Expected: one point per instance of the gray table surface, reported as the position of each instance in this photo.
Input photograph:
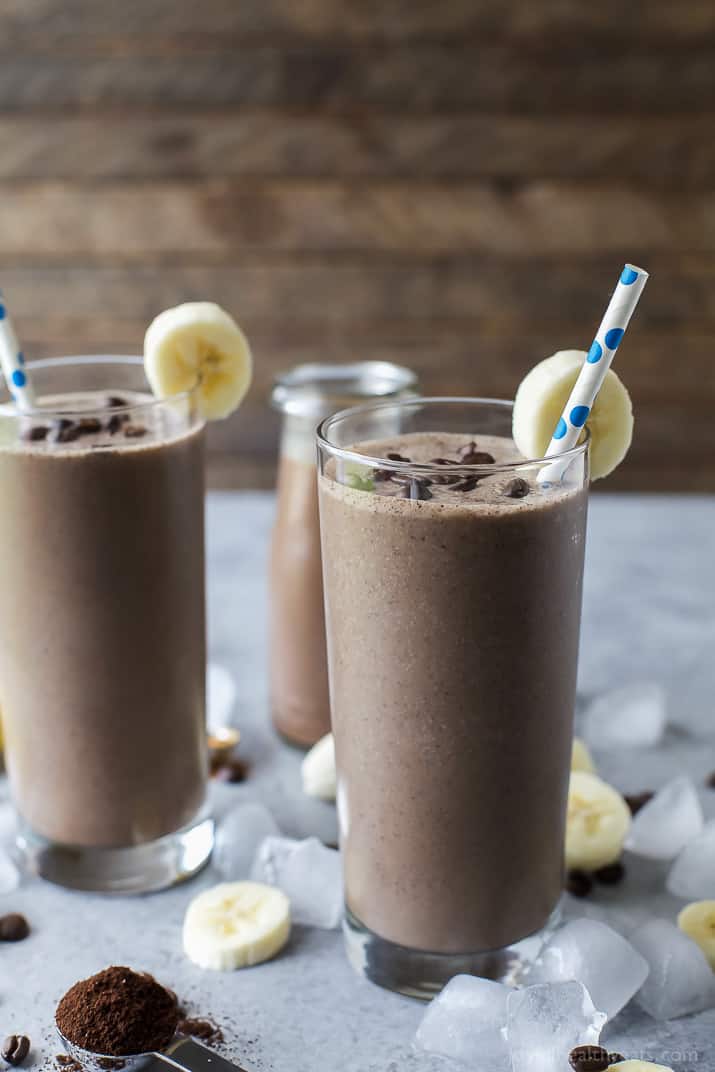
(649, 613)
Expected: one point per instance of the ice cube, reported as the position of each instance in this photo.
(546, 1021)
(220, 697)
(664, 825)
(629, 717)
(595, 955)
(680, 980)
(693, 874)
(467, 1022)
(238, 835)
(310, 875)
(9, 874)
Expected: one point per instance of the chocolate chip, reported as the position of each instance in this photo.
(134, 431)
(477, 457)
(517, 488)
(466, 448)
(610, 875)
(578, 884)
(89, 426)
(13, 927)
(636, 801)
(415, 489)
(116, 402)
(397, 458)
(64, 431)
(36, 434)
(114, 424)
(468, 484)
(589, 1059)
(710, 780)
(15, 1049)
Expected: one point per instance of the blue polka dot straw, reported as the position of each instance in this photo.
(12, 361)
(593, 371)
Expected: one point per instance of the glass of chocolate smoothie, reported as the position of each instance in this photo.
(102, 627)
(298, 665)
(453, 599)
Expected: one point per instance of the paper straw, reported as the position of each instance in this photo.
(12, 361)
(598, 361)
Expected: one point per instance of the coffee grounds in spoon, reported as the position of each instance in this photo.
(118, 1012)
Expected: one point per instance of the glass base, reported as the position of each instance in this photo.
(422, 975)
(137, 869)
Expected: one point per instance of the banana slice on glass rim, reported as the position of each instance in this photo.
(199, 347)
(540, 400)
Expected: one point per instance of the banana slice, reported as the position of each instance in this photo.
(597, 822)
(318, 770)
(198, 346)
(639, 1066)
(581, 757)
(697, 920)
(540, 400)
(235, 925)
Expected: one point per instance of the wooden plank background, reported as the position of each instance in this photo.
(451, 185)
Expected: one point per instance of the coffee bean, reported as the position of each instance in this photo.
(13, 927)
(134, 431)
(637, 800)
(589, 1059)
(610, 875)
(114, 424)
(89, 426)
(36, 434)
(578, 883)
(64, 431)
(15, 1049)
(517, 489)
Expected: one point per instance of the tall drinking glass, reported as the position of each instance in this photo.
(453, 598)
(102, 627)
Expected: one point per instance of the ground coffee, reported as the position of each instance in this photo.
(118, 1012)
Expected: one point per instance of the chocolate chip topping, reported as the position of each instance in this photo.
(114, 424)
(589, 1059)
(116, 402)
(517, 488)
(15, 1049)
(36, 434)
(610, 875)
(134, 431)
(13, 927)
(636, 801)
(578, 883)
(89, 426)
(393, 457)
(64, 431)
(477, 457)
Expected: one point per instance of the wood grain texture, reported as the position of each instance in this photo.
(453, 186)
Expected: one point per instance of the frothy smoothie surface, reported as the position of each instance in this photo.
(453, 612)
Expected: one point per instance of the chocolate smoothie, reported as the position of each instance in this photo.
(453, 619)
(102, 649)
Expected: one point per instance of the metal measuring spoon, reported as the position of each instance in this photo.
(183, 1053)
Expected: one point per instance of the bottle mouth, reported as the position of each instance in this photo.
(312, 389)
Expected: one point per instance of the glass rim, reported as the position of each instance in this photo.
(345, 454)
(299, 392)
(67, 360)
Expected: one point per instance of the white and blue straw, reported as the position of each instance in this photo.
(12, 362)
(598, 361)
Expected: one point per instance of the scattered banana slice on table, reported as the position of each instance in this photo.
(236, 925)
(318, 770)
(540, 400)
(597, 822)
(581, 758)
(697, 920)
(198, 346)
